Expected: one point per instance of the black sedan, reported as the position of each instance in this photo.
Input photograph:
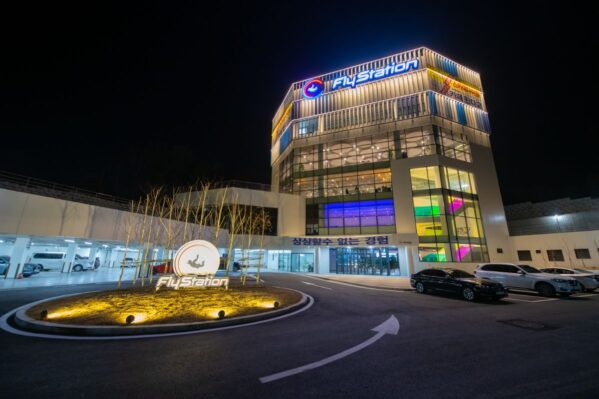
(458, 282)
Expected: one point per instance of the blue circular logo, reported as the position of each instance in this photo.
(313, 88)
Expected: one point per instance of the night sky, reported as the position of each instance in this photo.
(118, 98)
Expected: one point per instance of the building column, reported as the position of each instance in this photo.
(93, 252)
(17, 257)
(322, 260)
(69, 257)
(410, 254)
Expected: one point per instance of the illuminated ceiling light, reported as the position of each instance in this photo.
(68, 240)
(88, 243)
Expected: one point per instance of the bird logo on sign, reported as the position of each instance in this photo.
(313, 88)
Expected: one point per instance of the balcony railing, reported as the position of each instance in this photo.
(31, 185)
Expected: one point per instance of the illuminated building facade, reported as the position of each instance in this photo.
(397, 146)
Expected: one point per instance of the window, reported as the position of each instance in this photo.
(524, 255)
(499, 250)
(509, 269)
(48, 256)
(433, 273)
(492, 268)
(564, 271)
(555, 255)
(582, 253)
(307, 126)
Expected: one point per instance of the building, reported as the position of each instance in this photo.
(393, 157)
(562, 232)
(382, 168)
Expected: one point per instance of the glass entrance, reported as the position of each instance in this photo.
(296, 262)
(381, 261)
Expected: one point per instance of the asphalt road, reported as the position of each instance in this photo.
(446, 348)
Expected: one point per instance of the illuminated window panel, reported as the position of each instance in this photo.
(359, 214)
(432, 253)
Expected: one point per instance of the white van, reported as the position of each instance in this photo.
(48, 260)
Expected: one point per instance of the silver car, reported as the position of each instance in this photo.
(524, 277)
(588, 282)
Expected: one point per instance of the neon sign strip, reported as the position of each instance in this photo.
(374, 74)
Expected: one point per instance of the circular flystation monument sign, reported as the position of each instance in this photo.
(196, 257)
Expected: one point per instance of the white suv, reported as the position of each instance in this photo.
(48, 260)
(527, 278)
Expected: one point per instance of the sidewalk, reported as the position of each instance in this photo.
(388, 282)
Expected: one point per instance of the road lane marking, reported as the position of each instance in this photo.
(531, 301)
(584, 296)
(8, 328)
(358, 286)
(316, 285)
(390, 326)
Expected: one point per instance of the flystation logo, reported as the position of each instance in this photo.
(374, 74)
(313, 88)
(195, 265)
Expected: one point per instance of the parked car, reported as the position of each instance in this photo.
(48, 260)
(458, 282)
(525, 277)
(595, 273)
(588, 282)
(82, 264)
(4, 264)
(29, 269)
(165, 267)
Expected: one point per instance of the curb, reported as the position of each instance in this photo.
(27, 323)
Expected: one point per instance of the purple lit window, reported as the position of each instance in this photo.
(359, 213)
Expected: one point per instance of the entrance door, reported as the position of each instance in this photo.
(382, 261)
(303, 263)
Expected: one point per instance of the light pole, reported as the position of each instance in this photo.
(559, 230)
(556, 217)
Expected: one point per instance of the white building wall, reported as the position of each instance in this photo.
(567, 242)
(34, 215)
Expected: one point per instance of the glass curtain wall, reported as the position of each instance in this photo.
(448, 219)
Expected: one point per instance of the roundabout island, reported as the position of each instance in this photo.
(139, 311)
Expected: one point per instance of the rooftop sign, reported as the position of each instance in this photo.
(374, 74)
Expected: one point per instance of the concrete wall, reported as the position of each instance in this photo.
(491, 204)
(567, 242)
(34, 215)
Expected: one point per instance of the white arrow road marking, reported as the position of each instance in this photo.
(316, 285)
(390, 326)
